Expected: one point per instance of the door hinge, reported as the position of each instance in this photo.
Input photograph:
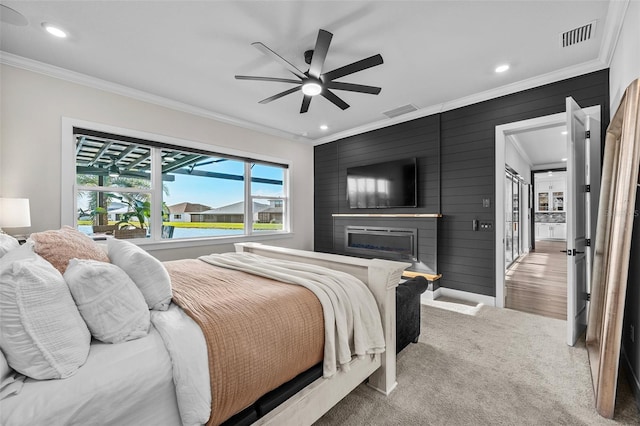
(587, 134)
(587, 188)
(587, 297)
(587, 242)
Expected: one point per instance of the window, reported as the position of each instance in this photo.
(138, 188)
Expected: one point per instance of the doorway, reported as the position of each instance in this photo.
(537, 282)
(553, 122)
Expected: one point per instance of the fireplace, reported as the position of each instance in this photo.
(386, 243)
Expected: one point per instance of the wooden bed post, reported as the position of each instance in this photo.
(383, 281)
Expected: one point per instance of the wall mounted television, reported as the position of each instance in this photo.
(383, 185)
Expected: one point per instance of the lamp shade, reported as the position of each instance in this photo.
(14, 213)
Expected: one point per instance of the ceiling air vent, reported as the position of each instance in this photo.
(400, 110)
(578, 35)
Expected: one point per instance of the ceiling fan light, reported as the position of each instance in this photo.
(311, 88)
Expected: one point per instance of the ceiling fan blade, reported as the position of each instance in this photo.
(363, 64)
(273, 55)
(320, 53)
(279, 95)
(335, 99)
(353, 87)
(280, 80)
(305, 104)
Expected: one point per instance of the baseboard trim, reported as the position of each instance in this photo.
(634, 383)
(458, 294)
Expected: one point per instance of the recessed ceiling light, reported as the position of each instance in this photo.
(323, 127)
(564, 132)
(563, 159)
(502, 68)
(53, 30)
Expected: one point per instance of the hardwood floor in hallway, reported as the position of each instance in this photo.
(537, 283)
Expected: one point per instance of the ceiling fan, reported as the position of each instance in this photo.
(314, 81)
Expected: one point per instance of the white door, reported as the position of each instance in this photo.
(576, 217)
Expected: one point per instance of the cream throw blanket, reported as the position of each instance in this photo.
(351, 317)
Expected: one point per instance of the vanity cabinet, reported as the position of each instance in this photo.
(551, 231)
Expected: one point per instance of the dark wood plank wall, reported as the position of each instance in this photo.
(325, 195)
(464, 140)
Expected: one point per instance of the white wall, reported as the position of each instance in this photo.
(513, 159)
(625, 63)
(31, 108)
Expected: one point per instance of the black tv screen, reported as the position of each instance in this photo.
(383, 185)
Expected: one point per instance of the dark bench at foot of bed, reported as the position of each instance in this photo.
(408, 311)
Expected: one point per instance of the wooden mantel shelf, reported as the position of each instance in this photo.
(386, 215)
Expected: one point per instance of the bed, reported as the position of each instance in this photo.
(166, 376)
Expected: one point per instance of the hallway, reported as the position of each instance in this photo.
(537, 283)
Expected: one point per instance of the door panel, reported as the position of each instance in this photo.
(577, 206)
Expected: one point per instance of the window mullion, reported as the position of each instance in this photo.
(248, 200)
(156, 194)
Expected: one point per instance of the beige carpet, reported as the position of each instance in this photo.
(479, 365)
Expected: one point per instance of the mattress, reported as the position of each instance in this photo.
(125, 383)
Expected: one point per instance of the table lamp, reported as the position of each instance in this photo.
(14, 213)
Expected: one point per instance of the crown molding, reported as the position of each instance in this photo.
(612, 28)
(541, 80)
(611, 32)
(517, 144)
(16, 61)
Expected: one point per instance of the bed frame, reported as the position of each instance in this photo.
(382, 278)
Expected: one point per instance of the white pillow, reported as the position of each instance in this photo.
(145, 270)
(41, 331)
(7, 243)
(110, 303)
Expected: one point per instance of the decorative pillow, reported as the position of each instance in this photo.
(7, 243)
(58, 247)
(145, 270)
(109, 302)
(41, 331)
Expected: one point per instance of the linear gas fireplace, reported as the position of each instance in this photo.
(387, 243)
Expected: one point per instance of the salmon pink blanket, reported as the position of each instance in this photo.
(260, 333)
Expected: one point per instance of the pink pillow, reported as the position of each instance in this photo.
(58, 247)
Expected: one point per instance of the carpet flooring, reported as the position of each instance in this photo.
(479, 365)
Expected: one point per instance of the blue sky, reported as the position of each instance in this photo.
(220, 192)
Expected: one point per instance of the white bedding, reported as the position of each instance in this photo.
(127, 383)
(188, 351)
(163, 378)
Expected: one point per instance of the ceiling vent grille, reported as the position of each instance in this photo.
(400, 110)
(578, 35)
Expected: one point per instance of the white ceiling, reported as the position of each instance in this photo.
(438, 55)
(544, 147)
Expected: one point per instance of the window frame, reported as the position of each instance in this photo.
(70, 188)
